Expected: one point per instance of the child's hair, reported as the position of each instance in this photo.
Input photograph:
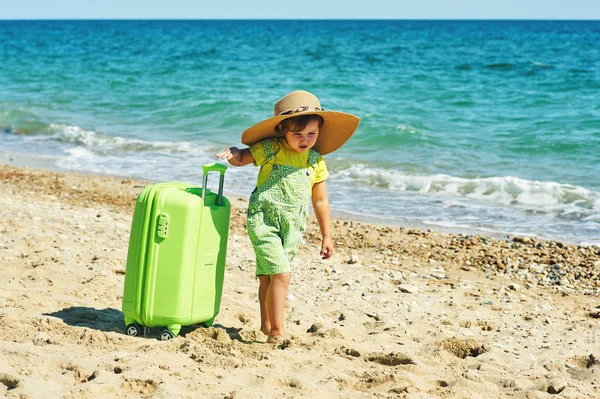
(297, 123)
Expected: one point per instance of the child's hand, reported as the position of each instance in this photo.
(232, 154)
(326, 248)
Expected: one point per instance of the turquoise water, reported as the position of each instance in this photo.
(466, 126)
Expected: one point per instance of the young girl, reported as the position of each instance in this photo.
(288, 149)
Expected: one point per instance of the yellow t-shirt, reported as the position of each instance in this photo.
(284, 155)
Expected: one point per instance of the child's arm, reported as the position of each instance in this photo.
(320, 202)
(235, 156)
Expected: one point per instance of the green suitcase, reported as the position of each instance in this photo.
(176, 256)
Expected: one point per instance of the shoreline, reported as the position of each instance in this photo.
(37, 161)
(510, 246)
(396, 312)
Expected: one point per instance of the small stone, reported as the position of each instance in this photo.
(514, 287)
(536, 268)
(353, 259)
(41, 339)
(524, 240)
(594, 314)
(352, 352)
(552, 366)
(557, 385)
(473, 375)
(408, 289)
(314, 328)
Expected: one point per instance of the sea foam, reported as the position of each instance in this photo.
(503, 190)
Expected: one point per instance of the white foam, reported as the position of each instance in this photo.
(98, 141)
(80, 152)
(506, 190)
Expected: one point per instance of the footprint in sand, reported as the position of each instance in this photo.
(483, 324)
(9, 381)
(463, 348)
(292, 383)
(584, 368)
(390, 359)
(347, 353)
(139, 386)
(80, 375)
(371, 380)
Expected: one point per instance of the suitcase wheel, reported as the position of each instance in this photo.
(166, 335)
(207, 323)
(134, 330)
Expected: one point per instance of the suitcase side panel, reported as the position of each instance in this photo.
(140, 253)
(136, 252)
(212, 250)
(168, 282)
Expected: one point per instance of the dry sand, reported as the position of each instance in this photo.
(395, 312)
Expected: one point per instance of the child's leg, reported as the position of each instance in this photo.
(263, 288)
(276, 302)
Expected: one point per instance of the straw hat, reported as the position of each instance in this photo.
(336, 130)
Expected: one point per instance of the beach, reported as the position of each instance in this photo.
(396, 312)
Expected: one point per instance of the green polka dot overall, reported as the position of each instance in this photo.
(277, 213)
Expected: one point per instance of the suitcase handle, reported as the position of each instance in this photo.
(213, 167)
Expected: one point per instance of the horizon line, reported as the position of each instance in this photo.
(305, 19)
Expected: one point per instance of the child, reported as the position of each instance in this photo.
(288, 149)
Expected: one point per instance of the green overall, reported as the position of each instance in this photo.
(277, 213)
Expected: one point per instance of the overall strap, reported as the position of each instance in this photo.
(313, 157)
(268, 148)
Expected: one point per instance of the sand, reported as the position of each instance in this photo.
(395, 313)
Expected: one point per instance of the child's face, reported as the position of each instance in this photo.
(305, 139)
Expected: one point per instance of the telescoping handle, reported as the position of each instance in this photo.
(213, 167)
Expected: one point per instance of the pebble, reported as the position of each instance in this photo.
(514, 287)
(557, 385)
(552, 366)
(314, 328)
(353, 259)
(42, 338)
(408, 289)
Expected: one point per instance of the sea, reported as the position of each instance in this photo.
(470, 127)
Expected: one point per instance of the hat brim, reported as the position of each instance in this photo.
(336, 130)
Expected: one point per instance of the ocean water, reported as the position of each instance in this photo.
(467, 126)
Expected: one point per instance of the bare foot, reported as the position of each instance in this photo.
(275, 339)
(265, 330)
